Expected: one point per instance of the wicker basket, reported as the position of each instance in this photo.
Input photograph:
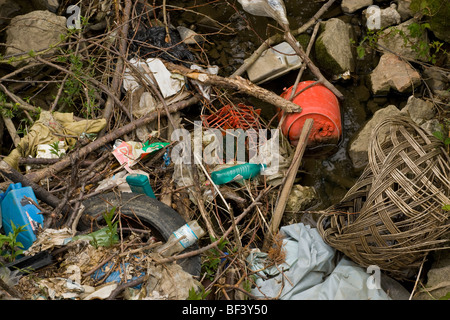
(393, 215)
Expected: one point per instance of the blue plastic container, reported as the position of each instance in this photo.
(15, 208)
(139, 184)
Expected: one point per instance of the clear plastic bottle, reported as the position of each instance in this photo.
(241, 171)
(191, 232)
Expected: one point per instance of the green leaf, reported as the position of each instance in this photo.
(361, 52)
(447, 141)
(446, 297)
(446, 207)
(439, 135)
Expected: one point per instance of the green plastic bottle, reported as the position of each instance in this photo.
(139, 184)
(241, 171)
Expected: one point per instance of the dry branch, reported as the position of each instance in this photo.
(64, 163)
(293, 43)
(40, 192)
(288, 183)
(107, 112)
(238, 84)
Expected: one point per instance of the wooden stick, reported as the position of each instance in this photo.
(12, 130)
(117, 78)
(237, 83)
(39, 191)
(64, 163)
(288, 183)
(10, 290)
(303, 67)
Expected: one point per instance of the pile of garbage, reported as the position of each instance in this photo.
(152, 174)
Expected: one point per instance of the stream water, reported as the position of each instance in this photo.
(331, 174)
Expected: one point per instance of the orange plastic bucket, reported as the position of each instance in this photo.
(320, 104)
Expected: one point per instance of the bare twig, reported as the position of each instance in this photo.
(279, 38)
(64, 163)
(236, 83)
(303, 67)
(107, 112)
(229, 230)
(293, 43)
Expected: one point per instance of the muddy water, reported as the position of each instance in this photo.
(331, 174)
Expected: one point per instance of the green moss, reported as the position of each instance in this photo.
(437, 13)
(325, 60)
(303, 39)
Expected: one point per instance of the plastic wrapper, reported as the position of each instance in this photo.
(168, 83)
(130, 152)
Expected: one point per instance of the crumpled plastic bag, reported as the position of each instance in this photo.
(118, 180)
(43, 132)
(168, 83)
(168, 280)
(61, 288)
(11, 278)
(49, 239)
(310, 271)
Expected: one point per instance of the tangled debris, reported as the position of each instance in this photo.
(137, 89)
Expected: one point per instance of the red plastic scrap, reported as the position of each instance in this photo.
(230, 117)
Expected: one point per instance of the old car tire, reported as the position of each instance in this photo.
(140, 209)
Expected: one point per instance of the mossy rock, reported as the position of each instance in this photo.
(303, 39)
(332, 48)
(437, 13)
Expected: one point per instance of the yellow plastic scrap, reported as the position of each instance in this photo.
(50, 128)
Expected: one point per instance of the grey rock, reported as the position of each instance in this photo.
(398, 39)
(419, 110)
(300, 198)
(404, 10)
(438, 277)
(393, 288)
(333, 49)
(350, 6)
(37, 30)
(8, 9)
(379, 19)
(431, 126)
(189, 36)
(359, 146)
(436, 78)
(50, 5)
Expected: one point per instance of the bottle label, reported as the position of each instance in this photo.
(190, 236)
